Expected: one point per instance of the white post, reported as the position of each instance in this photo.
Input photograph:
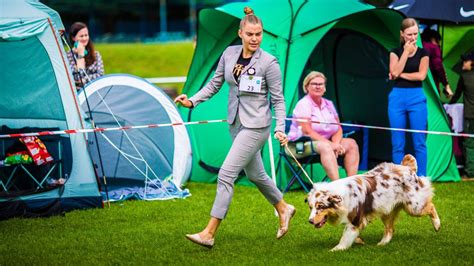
(272, 163)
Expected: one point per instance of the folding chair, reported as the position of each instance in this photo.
(309, 159)
(38, 176)
(307, 156)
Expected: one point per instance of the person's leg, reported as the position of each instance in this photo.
(351, 157)
(244, 147)
(256, 173)
(418, 114)
(468, 145)
(328, 159)
(397, 118)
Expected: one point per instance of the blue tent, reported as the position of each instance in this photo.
(37, 94)
(143, 163)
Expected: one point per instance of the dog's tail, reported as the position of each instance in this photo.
(410, 161)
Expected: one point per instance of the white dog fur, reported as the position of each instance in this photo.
(381, 192)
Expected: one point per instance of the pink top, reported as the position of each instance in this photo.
(306, 108)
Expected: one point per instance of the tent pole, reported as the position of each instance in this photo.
(289, 39)
(93, 125)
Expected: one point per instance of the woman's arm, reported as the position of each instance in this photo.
(307, 130)
(273, 78)
(213, 86)
(398, 64)
(422, 70)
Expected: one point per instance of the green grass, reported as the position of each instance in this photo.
(142, 232)
(148, 60)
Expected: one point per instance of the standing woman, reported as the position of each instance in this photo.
(252, 74)
(83, 59)
(408, 67)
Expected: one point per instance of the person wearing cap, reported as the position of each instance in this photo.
(466, 87)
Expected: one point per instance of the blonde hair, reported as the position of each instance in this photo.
(250, 18)
(311, 75)
(406, 23)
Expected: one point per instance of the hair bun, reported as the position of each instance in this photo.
(248, 11)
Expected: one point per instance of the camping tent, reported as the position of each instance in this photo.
(347, 40)
(145, 163)
(37, 93)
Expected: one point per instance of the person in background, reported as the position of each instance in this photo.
(466, 86)
(408, 67)
(328, 141)
(254, 79)
(85, 62)
(430, 39)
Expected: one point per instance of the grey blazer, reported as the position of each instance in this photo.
(253, 108)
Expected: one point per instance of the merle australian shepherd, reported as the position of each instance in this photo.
(382, 192)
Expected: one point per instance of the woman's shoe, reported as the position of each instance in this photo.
(198, 240)
(290, 212)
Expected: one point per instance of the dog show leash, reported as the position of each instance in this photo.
(298, 163)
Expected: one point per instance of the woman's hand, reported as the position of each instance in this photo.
(281, 137)
(410, 47)
(183, 100)
(338, 149)
(80, 50)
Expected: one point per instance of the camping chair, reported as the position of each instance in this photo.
(38, 174)
(304, 146)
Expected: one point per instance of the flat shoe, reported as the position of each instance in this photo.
(290, 212)
(198, 240)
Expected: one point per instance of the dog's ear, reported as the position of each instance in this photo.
(410, 161)
(335, 199)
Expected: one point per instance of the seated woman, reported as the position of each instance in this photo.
(327, 138)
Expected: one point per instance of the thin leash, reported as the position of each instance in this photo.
(298, 163)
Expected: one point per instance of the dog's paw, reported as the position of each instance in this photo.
(339, 248)
(359, 241)
(383, 242)
(436, 224)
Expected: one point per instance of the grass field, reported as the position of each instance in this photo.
(142, 232)
(148, 60)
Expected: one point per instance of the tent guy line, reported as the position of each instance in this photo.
(102, 129)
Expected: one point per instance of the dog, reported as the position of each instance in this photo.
(382, 192)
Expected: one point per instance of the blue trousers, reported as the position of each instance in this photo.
(408, 103)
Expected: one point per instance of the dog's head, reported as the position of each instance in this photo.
(322, 204)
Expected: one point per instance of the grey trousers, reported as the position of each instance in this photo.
(244, 154)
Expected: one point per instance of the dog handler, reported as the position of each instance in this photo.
(251, 74)
(408, 67)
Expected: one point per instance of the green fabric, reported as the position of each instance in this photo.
(457, 40)
(347, 40)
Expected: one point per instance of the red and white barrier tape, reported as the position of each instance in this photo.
(75, 131)
(386, 128)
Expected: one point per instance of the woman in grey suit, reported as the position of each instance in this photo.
(251, 74)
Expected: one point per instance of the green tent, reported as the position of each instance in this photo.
(347, 40)
(457, 40)
(37, 94)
